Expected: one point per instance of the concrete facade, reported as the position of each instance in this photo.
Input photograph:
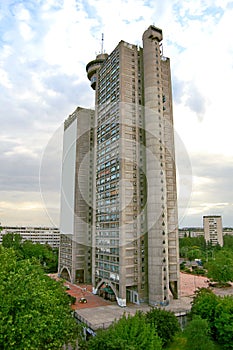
(134, 236)
(75, 256)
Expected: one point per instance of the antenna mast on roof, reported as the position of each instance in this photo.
(102, 43)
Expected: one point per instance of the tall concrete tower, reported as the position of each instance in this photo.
(134, 224)
(161, 172)
(135, 231)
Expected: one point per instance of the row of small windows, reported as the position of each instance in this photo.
(108, 138)
(105, 98)
(107, 234)
(107, 164)
(111, 79)
(106, 201)
(107, 225)
(106, 128)
(102, 188)
(109, 64)
(107, 113)
(109, 152)
(113, 251)
(108, 242)
(107, 92)
(111, 140)
(107, 210)
(107, 266)
(108, 171)
(103, 274)
(114, 186)
(107, 258)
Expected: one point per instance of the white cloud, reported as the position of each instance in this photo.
(4, 79)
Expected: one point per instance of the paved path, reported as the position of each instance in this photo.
(85, 291)
(188, 285)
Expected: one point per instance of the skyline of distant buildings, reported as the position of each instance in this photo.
(35, 234)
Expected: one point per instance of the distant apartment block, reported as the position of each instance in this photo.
(119, 222)
(191, 232)
(213, 231)
(42, 235)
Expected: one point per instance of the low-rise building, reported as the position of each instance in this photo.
(42, 235)
(191, 232)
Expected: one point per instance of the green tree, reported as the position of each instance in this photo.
(46, 256)
(228, 242)
(12, 240)
(218, 312)
(164, 322)
(224, 322)
(192, 242)
(184, 251)
(220, 269)
(197, 333)
(129, 333)
(193, 254)
(35, 311)
(204, 305)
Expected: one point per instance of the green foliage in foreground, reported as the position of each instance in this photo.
(152, 330)
(218, 312)
(129, 333)
(165, 323)
(198, 335)
(223, 322)
(204, 305)
(180, 342)
(35, 310)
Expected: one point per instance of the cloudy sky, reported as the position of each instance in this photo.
(44, 48)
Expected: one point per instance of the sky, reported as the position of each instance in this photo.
(44, 48)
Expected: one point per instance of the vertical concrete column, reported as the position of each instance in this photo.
(158, 282)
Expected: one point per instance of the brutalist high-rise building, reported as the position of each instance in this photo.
(132, 221)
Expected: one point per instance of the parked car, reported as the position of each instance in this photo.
(83, 300)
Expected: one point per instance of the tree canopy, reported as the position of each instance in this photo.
(129, 333)
(165, 323)
(204, 304)
(35, 311)
(45, 255)
(220, 269)
(197, 333)
(218, 312)
(223, 322)
(12, 240)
